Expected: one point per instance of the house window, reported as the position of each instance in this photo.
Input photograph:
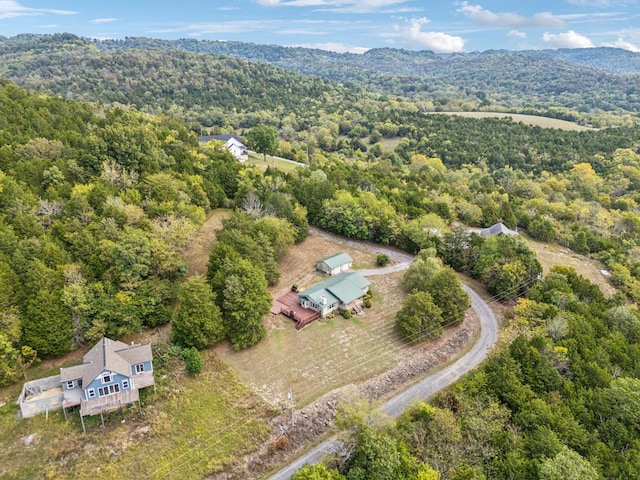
(108, 390)
(91, 393)
(106, 377)
(139, 367)
(125, 384)
(70, 385)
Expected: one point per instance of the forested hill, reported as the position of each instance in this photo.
(590, 85)
(587, 80)
(204, 88)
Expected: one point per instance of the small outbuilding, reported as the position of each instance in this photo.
(335, 264)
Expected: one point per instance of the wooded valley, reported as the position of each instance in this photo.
(104, 184)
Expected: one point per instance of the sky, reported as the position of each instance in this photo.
(342, 25)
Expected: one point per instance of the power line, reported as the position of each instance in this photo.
(204, 446)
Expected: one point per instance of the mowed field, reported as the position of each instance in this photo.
(544, 122)
(328, 353)
(551, 254)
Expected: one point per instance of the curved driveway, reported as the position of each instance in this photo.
(424, 388)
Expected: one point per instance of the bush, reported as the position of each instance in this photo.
(367, 303)
(193, 360)
(382, 259)
(346, 314)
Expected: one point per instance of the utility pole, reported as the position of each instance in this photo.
(293, 408)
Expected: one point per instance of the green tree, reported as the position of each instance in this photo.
(197, 322)
(567, 465)
(419, 318)
(319, 471)
(243, 297)
(47, 324)
(263, 139)
(423, 268)
(449, 296)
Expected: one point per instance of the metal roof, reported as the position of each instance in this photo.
(337, 260)
(345, 287)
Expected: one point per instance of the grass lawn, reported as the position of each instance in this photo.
(189, 428)
(257, 160)
(551, 254)
(328, 353)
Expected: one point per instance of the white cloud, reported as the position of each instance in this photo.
(488, 18)
(333, 47)
(601, 3)
(12, 9)
(622, 43)
(98, 21)
(568, 39)
(516, 33)
(436, 41)
(341, 6)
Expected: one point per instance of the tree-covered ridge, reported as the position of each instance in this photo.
(207, 89)
(198, 84)
(96, 209)
(580, 80)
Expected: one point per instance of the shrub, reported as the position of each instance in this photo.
(382, 259)
(193, 360)
(367, 303)
(346, 314)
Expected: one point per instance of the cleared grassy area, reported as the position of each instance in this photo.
(544, 122)
(328, 353)
(257, 160)
(551, 254)
(189, 428)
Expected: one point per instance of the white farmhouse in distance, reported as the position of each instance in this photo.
(232, 143)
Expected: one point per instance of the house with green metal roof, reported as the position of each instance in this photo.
(335, 264)
(341, 292)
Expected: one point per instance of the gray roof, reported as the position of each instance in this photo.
(497, 229)
(107, 355)
(222, 138)
(337, 260)
(345, 287)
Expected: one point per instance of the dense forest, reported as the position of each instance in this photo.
(153, 73)
(103, 186)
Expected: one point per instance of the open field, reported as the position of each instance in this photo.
(189, 428)
(257, 160)
(328, 353)
(550, 254)
(544, 122)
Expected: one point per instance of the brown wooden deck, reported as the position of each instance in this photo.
(289, 306)
(108, 403)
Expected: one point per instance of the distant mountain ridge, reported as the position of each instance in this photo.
(568, 83)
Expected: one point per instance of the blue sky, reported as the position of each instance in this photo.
(342, 25)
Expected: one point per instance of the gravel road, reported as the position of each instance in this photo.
(424, 388)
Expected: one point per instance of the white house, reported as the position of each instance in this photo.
(232, 143)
